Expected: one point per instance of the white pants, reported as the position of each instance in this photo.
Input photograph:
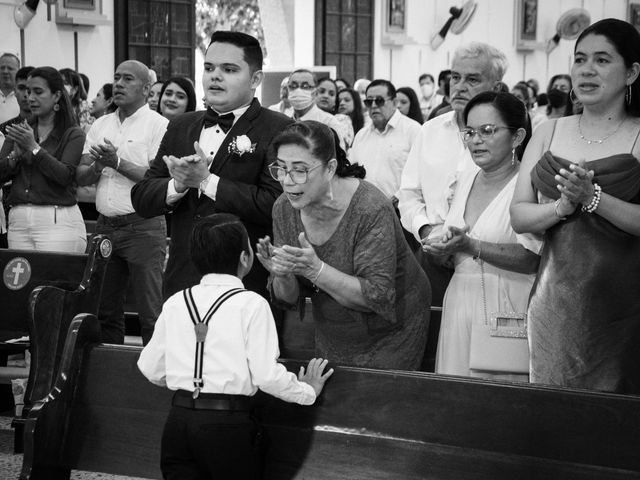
(47, 227)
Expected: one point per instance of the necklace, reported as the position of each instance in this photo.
(598, 140)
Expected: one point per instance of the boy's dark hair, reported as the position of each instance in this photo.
(216, 244)
(249, 45)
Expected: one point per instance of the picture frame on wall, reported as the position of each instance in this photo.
(526, 25)
(396, 16)
(394, 28)
(633, 14)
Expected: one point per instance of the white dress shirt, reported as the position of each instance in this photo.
(428, 178)
(240, 349)
(319, 115)
(210, 140)
(384, 154)
(9, 107)
(137, 140)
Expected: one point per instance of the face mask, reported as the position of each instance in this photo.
(557, 98)
(427, 90)
(300, 99)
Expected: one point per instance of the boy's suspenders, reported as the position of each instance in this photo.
(201, 326)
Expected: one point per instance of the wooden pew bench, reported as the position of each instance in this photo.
(102, 415)
(23, 271)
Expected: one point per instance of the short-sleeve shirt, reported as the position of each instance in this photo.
(137, 140)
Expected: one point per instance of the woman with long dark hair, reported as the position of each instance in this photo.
(177, 97)
(408, 104)
(580, 185)
(41, 159)
(350, 105)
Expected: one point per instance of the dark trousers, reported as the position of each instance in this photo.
(137, 261)
(211, 445)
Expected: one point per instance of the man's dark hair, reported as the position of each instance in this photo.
(216, 244)
(23, 73)
(424, 76)
(391, 90)
(249, 45)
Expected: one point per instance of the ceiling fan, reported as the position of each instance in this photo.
(570, 25)
(457, 22)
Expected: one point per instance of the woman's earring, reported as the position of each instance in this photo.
(330, 190)
(513, 156)
(627, 96)
(56, 107)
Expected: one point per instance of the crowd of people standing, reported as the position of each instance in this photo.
(374, 201)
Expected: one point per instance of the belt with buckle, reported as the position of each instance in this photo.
(212, 401)
(119, 220)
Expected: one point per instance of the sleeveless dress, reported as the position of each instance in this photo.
(506, 291)
(584, 313)
(369, 244)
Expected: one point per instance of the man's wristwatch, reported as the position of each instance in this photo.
(35, 151)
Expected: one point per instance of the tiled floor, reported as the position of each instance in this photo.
(11, 463)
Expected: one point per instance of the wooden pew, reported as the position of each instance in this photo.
(44, 307)
(102, 415)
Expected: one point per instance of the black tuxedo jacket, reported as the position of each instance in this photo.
(245, 189)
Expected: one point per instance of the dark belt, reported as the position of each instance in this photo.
(120, 220)
(212, 401)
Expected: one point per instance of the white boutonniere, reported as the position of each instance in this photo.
(241, 145)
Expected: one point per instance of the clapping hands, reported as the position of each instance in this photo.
(188, 171)
(452, 241)
(288, 260)
(575, 186)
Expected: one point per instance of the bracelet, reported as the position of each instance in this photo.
(555, 209)
(477, 256)
(595, 201)
(318, 274)
(118, 164)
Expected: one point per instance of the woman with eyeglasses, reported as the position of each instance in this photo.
(494, 267)
(580, 186)
(40, 157)
(337, 240)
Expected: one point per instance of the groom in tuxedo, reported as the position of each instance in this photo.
(216, 161)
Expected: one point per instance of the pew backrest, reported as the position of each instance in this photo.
(102, 415)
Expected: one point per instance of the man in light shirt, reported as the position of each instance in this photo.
(429, 97)
(382, 146)
(302, 97)
(439, 152)
(117, 153)
(9, 107)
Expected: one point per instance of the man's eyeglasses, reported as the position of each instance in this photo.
(485, 131)
(303, 86)
(297, 175)
(379, 101)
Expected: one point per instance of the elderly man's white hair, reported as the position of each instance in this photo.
(496, 59)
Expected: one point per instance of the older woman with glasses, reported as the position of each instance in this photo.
(337, 239)
(494, 267)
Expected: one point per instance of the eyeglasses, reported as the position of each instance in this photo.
(297, 175)
(485, 131)
(379, 101)
(303, 86)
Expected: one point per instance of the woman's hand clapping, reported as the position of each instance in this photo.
(454, 240)
(288, 260)
(575, 186)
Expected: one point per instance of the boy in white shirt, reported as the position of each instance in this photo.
(229, 335)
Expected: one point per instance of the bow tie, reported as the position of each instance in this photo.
(225, 121)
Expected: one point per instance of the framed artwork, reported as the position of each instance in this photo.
(526, 23)
(633, 14)
(395, 16)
